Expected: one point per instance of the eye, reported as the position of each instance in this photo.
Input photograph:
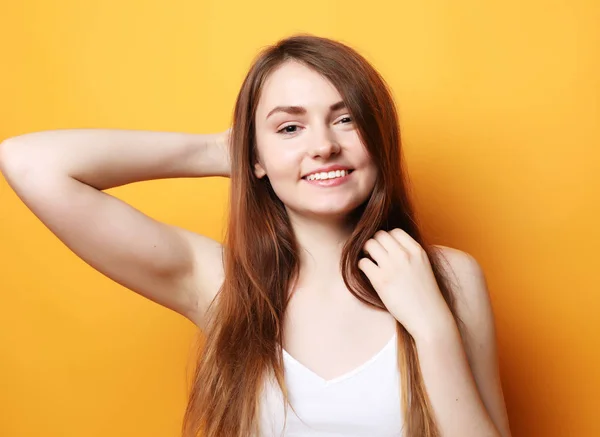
(347, 118)
(289, 129)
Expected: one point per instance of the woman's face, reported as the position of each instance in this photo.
(302, 128)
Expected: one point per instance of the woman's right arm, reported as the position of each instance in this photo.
(61, 174)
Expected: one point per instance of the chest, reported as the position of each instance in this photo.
(364, 401)
(330, 332)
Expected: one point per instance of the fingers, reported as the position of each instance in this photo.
(368, 267)
(406, 241)
(376, 251)
(390, 245)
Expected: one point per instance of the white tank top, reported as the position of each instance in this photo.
(363, 402)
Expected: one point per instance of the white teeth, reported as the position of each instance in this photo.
(327, 175)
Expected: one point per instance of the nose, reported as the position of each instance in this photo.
(324, 145)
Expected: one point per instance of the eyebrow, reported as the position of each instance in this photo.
(300, 110)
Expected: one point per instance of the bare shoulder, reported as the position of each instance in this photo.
(478, 332)
(471, 294)
(467, 279)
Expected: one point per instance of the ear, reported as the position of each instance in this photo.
(259, 170)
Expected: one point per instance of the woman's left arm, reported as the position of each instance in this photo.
(460, 366)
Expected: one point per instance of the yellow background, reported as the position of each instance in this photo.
(500, 112)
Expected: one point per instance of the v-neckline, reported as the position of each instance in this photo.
(347, 374)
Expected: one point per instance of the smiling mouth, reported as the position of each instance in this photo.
(325, 176)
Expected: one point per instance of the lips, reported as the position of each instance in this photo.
(328, 169)
(341, 178)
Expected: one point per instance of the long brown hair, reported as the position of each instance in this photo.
(243, 332)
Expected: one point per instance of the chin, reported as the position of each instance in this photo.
(327, 207)
(326, 211)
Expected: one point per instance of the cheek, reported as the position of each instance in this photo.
(281, 161)
(363, 159)
(370, 171)
(372, 177)
(282, 167)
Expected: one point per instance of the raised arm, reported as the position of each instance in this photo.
(61, 174)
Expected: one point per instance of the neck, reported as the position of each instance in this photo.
(321, 242)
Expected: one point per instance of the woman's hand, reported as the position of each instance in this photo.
(404, 280)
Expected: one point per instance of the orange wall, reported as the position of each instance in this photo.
(500, 110)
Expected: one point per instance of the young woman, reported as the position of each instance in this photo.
(325, 311)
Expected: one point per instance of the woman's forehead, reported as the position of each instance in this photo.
(294, 84)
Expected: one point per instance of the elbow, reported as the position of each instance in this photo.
(6, 147)
(14, 160)
(8, 158)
